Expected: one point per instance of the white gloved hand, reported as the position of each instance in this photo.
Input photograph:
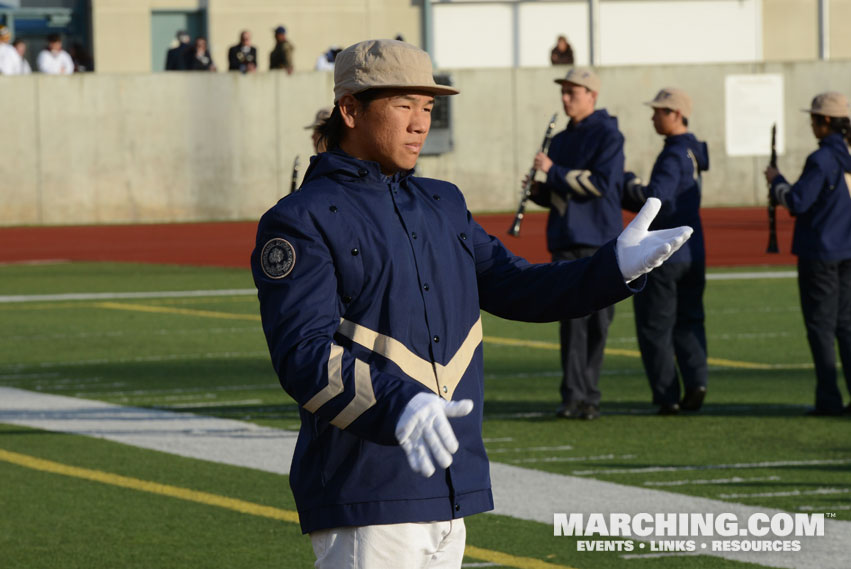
(639, 250)
(424, 432)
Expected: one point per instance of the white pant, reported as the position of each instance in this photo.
(431, 545)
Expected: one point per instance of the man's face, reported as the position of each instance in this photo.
(245, 38)
(54, 46)
(665, 121)
(578, 101)
(200, 45)
(21, 47)
(392, 129)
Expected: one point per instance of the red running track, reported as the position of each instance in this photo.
(734, 237)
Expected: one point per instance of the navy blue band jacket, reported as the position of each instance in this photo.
(370, 291)
(676, 179)
(820, 202)
(583, 186)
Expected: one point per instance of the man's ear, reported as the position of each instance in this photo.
(349, 110)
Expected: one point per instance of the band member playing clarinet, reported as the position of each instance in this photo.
(584, 176)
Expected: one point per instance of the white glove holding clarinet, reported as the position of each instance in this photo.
(424, 432)
(639, 251)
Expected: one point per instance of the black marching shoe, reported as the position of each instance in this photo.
(693, 399)
(568, 411)
(589, 412)
(668, 409)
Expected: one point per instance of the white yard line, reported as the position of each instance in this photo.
(518, 492)
(733, 466)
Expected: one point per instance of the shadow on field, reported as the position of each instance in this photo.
(545, 410)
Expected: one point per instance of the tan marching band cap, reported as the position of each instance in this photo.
(4, 31)
(673, 99)
(384, 64)
(322, 115)
(581, 76)
(830, 104)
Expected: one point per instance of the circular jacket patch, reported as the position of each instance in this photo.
(277, 258)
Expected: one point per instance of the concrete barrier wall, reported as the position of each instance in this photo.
(192, 147)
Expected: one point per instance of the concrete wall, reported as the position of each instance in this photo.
(100, 148)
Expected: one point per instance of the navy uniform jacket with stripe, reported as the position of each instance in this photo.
(820, 202)
(583, 187)
(676, 180)
(370, 291)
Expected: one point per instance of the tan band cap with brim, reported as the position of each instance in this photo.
(384, 64)
(673, 99)
(581, 76)
(322, 115)
(830, 104)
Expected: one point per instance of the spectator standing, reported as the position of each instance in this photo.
(371, 283)
(669, 316)
(282, 55)
(53, 59)
(325, 61)
(9, 58)
(584, 176)
(175, 58)
(243, 56)
(21, 48)
(198, 57)
(562, 53)
(821, 204)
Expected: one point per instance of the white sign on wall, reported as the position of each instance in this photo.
(753, 104)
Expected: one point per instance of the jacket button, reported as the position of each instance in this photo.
(457, 507)
(436, 339)
(445, 389)
(464, 236)
(362, 172)
(425, 286)
(436, 197)
(333, 209)
(414, 234)
(347, 299)
(355, 252)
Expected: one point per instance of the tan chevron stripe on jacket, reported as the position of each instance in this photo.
(440, 379)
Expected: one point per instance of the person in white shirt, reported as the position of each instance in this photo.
(54, 60)
(8, 56)
(24, 65)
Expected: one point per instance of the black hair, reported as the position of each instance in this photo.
(331, 131)
(669, 111)
(839, 125)
(54, 38)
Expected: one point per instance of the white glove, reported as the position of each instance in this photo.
(639, 251)
(424, 432)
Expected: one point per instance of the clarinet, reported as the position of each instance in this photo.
(514, 230)
(772, 205)
(295, 175)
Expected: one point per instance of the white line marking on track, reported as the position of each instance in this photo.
(573, 458)
(816, 492)
(772, 464)
(825, 508)
(527, 449)
(751, 275)
(733, 480)
(15, 298)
